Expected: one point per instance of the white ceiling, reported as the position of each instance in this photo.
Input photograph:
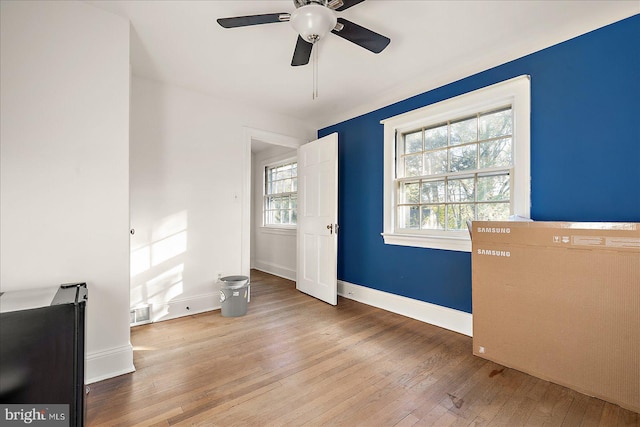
(432, 43)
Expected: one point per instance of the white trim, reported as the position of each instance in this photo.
(250, 134)
(177, 307)
(516, 92)
(282, 230)
(461, 244)
(109, 363)
(277, 161)
(443, 317)
(275, 269)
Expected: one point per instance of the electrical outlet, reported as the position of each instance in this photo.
(481, 350)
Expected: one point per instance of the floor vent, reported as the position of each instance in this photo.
(140, 315)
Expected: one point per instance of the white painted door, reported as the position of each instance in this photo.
(318, 218)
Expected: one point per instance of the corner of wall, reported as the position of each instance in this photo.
(101, 365)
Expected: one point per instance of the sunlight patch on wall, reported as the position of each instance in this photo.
(156, 263)
(166, 240)
(140, 260)
(168, 248)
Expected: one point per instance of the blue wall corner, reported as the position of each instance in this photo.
(585, 160)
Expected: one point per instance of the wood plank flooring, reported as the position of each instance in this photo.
(294, 361)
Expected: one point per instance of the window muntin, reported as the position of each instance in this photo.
(455, 171)
(280, 194)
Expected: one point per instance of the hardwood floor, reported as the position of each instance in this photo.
(293, 361)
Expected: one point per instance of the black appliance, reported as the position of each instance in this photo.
(42, 347)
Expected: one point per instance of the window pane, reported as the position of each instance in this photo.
(460, 190)
(457, 216)
(409, 217)
(465, 130)
(413, 142)
(433, 217)
(493, 211)
(410, 192)
(413, 165)
(435, 162)
(495, 153)
(435, 137)
(493, 188)
(294, 184)
(432, 192)
(294, 170)
(284, 215)
(462, 158)
(497, 123)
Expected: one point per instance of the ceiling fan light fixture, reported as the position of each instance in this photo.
(313, 21)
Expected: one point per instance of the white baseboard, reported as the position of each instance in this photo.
(109, 363)
(180, 307)
(444, 317)
(275, 269)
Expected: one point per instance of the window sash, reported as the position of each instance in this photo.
(477, 202)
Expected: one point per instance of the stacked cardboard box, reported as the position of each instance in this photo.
(561, 301)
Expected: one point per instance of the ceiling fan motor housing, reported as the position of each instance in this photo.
(300, 3)
(313, 21)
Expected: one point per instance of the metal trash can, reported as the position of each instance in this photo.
(234, 295)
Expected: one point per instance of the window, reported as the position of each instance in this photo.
(461, 159)
(280, 194)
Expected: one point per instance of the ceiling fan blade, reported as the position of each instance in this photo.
(244, 21)
(361, 36)
(347, 4)
(302, 53)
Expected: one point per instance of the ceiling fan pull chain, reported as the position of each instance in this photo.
(315, 72)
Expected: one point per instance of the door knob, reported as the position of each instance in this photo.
(330, 228)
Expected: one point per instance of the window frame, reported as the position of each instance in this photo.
(277, 228)
(514, 92)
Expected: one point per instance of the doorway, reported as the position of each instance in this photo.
(267, 247)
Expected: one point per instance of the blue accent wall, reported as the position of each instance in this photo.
(585, 160)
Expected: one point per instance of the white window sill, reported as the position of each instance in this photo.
(449, 243)
(285, 231)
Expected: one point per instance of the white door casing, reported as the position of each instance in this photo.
(318, 218)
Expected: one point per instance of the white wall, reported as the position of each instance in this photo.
(64, 100)
(273, 249)
(189, 158)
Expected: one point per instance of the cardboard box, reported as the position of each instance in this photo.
(561, 301)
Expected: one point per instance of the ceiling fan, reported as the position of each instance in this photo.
(312, 20)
